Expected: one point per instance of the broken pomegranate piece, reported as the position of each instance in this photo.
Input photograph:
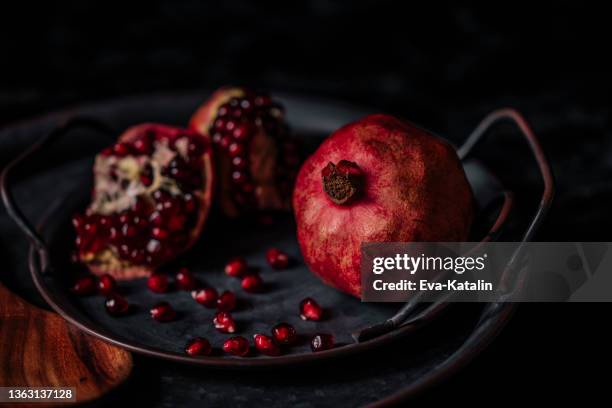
(152, 192)
(256, 160)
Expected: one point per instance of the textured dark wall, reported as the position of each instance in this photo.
(443, 67)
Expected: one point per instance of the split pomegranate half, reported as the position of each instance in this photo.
(255, 158)
(151, 196)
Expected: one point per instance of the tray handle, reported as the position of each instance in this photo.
(411, 313)
(7, 181)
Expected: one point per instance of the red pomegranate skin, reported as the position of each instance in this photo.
(413, 189)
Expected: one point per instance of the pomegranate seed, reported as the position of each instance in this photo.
(194, 147)
(224, 322)
(226, 302)
(235, 149)
(252, 283)
(158, 283)
(142, 146)
(310, 310)
(277, 258)
(266, 345)
(225, 142)
(116, 305)
(223, 110)
(241, 132)
(163, 312)
(239, 177)
(77, 221)
(237, 346)
(159, 233)
(263, 100)
(185, 279)
(206, 297)
(106, 284)
(198, 347)
(236, 267)
(84, 286)
(321, 341)
(284, 333)
(121, 149)
(239, 162)
(230, 125)
(190, 203)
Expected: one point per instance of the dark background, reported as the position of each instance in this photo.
(442, 67)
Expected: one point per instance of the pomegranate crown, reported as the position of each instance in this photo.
(343, 182)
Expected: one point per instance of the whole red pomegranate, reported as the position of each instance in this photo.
(152, 192)
(256, 161)
(377, 180)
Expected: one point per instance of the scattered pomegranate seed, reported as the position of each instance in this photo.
(84, 286)
(237, 346)
(284, 334)
(252, 283)
(116, 305)
(106, 284)
(198, 347)
(277, 258)
(236, 267)
(321, 341)
(158, 282)
(226, 302)
(206, 297)
(163, 312)
(310, 310)
(185, 279)
(266, 345)
(224, 322)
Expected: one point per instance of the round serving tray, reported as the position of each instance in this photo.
(311, 120)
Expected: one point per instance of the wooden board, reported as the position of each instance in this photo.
(40, 349)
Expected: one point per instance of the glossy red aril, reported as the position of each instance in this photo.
(226, 301)
(158, 282)
(310, 310)
(224, 322)
(236, 267)
(163, 312)
(266, 345)
(198, 346)
(284, 334)
(206, 297)
(84, 286)
(185, 280)
(106, 284)
(252, 283)
(321, 342)
(378, 179)
(116, 305)
(256, 160)
(277, 259)
(237, 346)
(152, 191)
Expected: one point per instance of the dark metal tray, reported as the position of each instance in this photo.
(311, 119)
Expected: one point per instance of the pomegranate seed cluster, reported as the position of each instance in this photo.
(144, 200)
(280, 337)
(236, 123)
